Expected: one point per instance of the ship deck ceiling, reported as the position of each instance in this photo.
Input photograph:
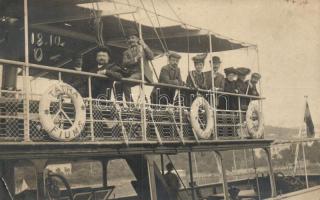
(47, 150)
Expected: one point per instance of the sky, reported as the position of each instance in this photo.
(287, 33)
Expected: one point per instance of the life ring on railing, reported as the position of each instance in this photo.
(198, 103)
(254, 120)
(48, 120)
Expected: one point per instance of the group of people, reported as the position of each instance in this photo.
(234, 80)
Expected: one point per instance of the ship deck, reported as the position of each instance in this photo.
(46, 150)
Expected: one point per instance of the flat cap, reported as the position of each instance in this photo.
(256, 75)
(230, 70)
(243, 71)
(216, 59)
(199, 57)
(173, 54)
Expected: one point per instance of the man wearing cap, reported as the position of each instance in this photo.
(196, 78)
(170, 74)
(102, 86)
(252, 84)
(131, 62)
(241, 82)
(218, 77)
(242, 85)
(172, 181)
(230, 87)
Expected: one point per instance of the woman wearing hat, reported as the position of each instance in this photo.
(197, 78)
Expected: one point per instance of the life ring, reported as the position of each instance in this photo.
(254, 120)
(48, 120)
(194, 118)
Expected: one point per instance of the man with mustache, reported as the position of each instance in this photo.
(252, 84)
(131, 62)
(218, 77)
(170, 74)
(102, 86)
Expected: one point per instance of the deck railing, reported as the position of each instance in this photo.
(111, 120)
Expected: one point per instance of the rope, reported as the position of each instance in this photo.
(155, 30)
(98, 23)
(119, 20)
(133, 16)
(161, 31)
(185, 26)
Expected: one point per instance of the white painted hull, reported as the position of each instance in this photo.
(312, 193)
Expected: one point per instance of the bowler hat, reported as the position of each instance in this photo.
(216, 59)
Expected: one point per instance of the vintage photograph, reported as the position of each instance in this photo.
(159, 99)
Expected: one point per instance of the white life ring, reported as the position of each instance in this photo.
(254, 120)
(48, 120)
(194, 117)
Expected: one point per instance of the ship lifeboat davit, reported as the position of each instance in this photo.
(254, 119)
(203, 131)
(53, 123)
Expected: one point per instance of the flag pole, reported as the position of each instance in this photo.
(298, 144)
(304, 155)
(305, 164)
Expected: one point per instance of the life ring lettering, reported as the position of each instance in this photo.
(202, 131)
(254, 121)
(52, 123)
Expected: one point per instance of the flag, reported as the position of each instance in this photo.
(309, 122)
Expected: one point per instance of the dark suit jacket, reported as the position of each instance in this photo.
(100, 85)
(252, 89)
(131, 61)
(169, 75)
(218, 80)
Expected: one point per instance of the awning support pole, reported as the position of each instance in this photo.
(224, 177)
(191, 176)
(271, 173)
(152, 178)
(26, 82)
(213, 95)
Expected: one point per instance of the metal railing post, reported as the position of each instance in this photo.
(91, 109)
(26, 82)
(143, 110)
(213, 93)
(240, 117)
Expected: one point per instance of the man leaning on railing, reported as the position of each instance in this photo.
(170, 74)
(131, 63)
(104, 67)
